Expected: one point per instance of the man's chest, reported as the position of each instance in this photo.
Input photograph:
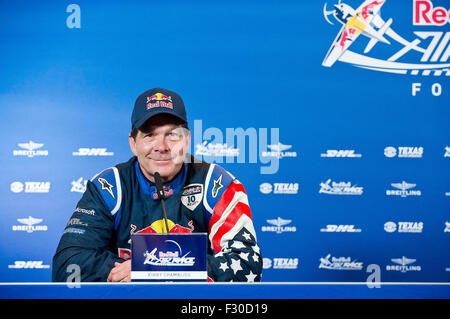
(185, 214)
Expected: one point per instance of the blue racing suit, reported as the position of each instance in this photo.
(120, 201)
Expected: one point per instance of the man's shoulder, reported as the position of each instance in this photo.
(217, 181)
(109, 183)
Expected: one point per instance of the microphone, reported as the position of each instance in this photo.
(160, 192)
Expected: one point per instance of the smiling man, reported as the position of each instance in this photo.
(122, 200)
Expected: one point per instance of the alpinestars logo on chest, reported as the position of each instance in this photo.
(217, 186)
(106, 186)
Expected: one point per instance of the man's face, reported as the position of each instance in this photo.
(160, 146)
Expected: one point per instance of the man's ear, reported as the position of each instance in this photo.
(132, 142)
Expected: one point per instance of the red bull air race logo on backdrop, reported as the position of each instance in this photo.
(420, 53)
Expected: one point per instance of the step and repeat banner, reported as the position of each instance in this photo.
(334, 116)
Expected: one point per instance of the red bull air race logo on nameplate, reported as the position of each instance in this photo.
(169, 257)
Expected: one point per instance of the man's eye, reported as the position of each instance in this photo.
(174, 135)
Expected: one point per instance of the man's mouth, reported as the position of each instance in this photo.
(162, 160)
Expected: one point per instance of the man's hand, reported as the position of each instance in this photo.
(120, 272)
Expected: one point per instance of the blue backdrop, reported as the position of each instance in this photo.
(344, 166)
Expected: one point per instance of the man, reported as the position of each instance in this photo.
(122, 200)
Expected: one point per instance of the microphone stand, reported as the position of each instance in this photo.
(160, 192)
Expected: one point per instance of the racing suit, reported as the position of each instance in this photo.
(120, 201)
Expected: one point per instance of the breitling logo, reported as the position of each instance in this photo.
(106, 186)
(30, 149)
(403, 265)
(403, 190)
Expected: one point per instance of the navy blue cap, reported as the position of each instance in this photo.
(157, 101)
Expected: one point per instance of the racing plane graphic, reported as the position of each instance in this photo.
(366, 20)
(355, 22)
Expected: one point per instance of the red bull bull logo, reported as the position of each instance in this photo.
(159, 227)
(159, 100)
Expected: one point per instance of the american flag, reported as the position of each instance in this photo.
(233, 239)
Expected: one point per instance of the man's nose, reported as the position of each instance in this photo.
(161, 144)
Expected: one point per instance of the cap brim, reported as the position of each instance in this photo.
(154, 113)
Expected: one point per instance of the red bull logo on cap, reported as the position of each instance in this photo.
(159, 100)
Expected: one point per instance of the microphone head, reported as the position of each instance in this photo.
(159, 185)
